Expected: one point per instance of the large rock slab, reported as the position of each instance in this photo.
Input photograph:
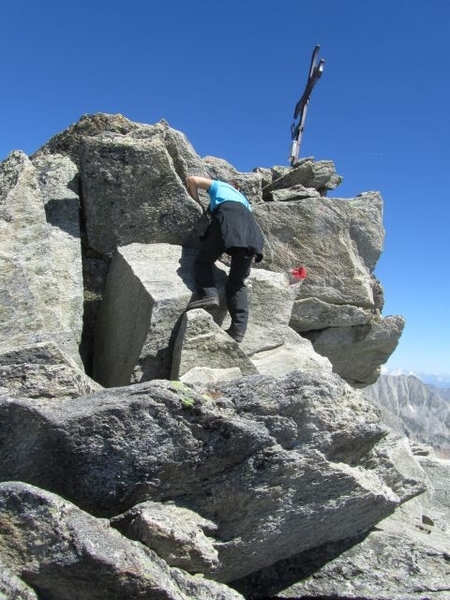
(404, 558)
(295, 354)
(207, 375)
(42, 370)
(320, 175)
(176, 534)
(133, 181)
(58, 182)
(358, 352)
(272, 462)
(312, 314)
(132, 193)
(141, 332)
(69, 141)
(148, 289)
(57, 548)
(338, 240)
(132, 177)
(202, 343)
(41, 286)
(296, 192)
(396, 464)
(396, 561)
(270, 307)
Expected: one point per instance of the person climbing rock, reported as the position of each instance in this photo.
(233, 230)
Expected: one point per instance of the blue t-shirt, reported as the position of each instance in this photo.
(224, 192)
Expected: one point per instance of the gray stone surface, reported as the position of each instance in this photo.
(202, 343)
(395, 562)
(312, 314)
(270, 309)
(176, 534)
(132, 193)
(290, 460)
(276, 464)
(142, 332)
(338, 240)
(132, 176)
(358, 352)
(307, 172)
(296, 192)
(148, 289)
(133, 181)
(436, 503)
(41, 370)
(41, 290)
(295, 354)
(57, 548)
(404, 557)
(58, 182)
(207, 375)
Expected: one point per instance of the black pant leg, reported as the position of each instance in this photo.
(209, 252)
(236, 291)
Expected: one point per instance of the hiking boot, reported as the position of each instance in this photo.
(206, 302)
(237, 336)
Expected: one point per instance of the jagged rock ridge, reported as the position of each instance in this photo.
(255, 455)
(131, 180)
(440, 391)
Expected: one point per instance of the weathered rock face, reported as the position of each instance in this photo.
(275, 464)
(147, 290)
(201, 343)
(386, 563)
(210, 457)
(356, 352)
(85, 553)
(143, 333)
(132, 182)
(42, 370)
(338, 240)
(186, 546)
(41, 284)
(365, 571)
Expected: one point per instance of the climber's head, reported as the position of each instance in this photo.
(235, 184)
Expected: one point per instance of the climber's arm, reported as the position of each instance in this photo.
(195, 182)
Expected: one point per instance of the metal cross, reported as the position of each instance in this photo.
(301, 108)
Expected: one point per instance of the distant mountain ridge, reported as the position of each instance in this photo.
(419, 411)
(440, 391)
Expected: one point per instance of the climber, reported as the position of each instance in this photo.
(233, 230)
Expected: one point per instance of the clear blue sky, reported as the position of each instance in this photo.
(228, 74)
